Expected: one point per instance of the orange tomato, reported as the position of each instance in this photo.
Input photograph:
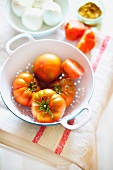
(47, 67)
(74, 29)
(23, 87)
(87, 41)
(72, 69)
(65, 87)
(48, 106)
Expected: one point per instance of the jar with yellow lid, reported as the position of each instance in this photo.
(90, 12)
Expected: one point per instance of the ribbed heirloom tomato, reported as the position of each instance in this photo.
(47, 67)
(48, 106)
(65, 87)
(23, 87)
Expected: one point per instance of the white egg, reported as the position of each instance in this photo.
(20, 6)
(52, 13)
(32, 19)
(40, 3)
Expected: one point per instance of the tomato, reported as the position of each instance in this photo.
(87, 41)
(47, 67)
(23, 87)
(72, 69)
(65, 87)
(74, 29)
(48, 106)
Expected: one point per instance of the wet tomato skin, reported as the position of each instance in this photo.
(74, 29)
(48, 106)
(23, 87)
(72, 69)
(66, 88)
(47, 67)
(87, 41)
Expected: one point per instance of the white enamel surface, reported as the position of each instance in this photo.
(22, 59)
(16, 22)
(80, 124)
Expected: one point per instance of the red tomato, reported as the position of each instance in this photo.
(72, 69)
(24, 85)
(47, 67)
(65, 87)
(87, 41)
(48, 106)
(74, 29)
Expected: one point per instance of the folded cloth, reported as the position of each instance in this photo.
(77, 146)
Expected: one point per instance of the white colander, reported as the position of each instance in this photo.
(22, 58)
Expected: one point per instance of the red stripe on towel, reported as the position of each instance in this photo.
(63, 139)
(102, 49)
(39, 134)
(66, 133)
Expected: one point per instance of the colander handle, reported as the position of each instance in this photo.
(82, 123)
(14, 39)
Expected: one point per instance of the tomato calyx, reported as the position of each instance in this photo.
(44, 106)
(57, 88)
(32, 87)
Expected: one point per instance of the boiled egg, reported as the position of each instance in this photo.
(32, 19)
(52, 13)
(20, 6)
(40, 3)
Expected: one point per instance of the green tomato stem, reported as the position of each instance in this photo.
(44, 106)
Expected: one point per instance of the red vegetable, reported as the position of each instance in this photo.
(87, 41)
(74, 29)
(65, 87)
(72, 69)
(48, 106)
(47, 67)
(24, 85)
